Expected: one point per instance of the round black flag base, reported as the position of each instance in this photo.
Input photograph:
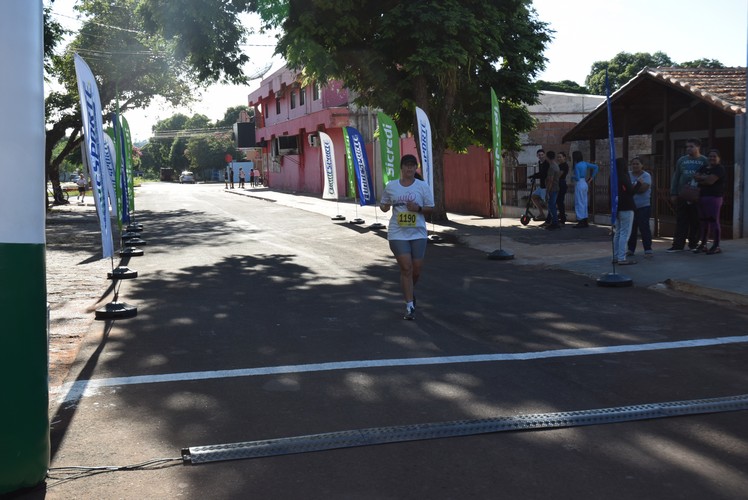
(377, 225)
(136, 242)
(500, 255)
(436, 238)
(614, 280)
(129, 235)
(357, 221)
(131, 252)
(338, 217)
(116, 310)
(122, 273)
(135, 228)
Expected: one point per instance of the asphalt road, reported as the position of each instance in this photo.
(229, 284)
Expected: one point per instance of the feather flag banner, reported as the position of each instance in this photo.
(360, 161)
(389, 144)
(425, 148)
(330, 188)
(496, 133)
(93, 150)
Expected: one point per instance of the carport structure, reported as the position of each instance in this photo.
(671, 105)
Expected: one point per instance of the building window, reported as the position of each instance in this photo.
(277, 106)
(293, 99)
(315, 92)
(302, 96)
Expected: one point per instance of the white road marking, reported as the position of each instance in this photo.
(81, 388)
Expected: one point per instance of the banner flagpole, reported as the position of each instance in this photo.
(330, 187)
(612, 279)
(499, 254)
(423, 141)
(354, 174)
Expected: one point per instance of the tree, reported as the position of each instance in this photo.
(440, 56)
(232, 115)
(622, 68)
(562, 86)
(207, 152)
(129, 65)
(702, 63)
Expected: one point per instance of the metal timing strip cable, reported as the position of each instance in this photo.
(438, 430)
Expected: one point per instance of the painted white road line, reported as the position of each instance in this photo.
(73, 391)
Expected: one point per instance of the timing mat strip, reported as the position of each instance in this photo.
(438, 430)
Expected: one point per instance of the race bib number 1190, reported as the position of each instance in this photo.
(406, 219)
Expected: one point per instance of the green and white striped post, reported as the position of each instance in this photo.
(24, 421)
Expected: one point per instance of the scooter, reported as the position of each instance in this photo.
(528, 215)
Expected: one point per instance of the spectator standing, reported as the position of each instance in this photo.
(562, 186)
(241, 177)
(552, 187)
(252, 177)
(711, 180)
(686, 212)
(581, 189)
(539, 195)
(642, 183)
(624, 215)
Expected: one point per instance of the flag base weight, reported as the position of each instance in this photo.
(135, 228)
(338, 217)
(131, 252)
(357, 221)
(116, 310)
(136, 242)
(436, 238)
(122, 273)
(500, 255)
(614, 280)
(377, 225)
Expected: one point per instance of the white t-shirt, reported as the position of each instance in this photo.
(642, 199)
(406, 225)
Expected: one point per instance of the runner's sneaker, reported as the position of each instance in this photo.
(674, 249)
(410, 313)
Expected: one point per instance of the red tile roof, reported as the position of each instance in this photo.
(723, 87)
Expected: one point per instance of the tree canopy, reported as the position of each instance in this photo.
(563, 86)
(442, 57)
(622, 68)
(625, 66)
(131, 67)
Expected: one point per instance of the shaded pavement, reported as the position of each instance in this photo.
(583, 251)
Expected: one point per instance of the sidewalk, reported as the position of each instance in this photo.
(583, 251)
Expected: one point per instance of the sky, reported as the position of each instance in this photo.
(585, 32)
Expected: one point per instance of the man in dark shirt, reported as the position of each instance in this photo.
(538, 196)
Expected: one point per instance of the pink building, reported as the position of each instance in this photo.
(289, 116)
(287, 119)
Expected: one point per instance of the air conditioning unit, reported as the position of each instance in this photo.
(313, 140)
(287, 145)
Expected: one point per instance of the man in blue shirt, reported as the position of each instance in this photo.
(686, 212)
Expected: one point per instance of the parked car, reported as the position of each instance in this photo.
(187, 177)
